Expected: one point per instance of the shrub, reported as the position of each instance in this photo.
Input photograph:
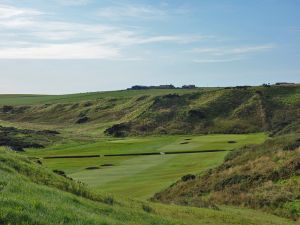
(7, 108)
(292, 146)
(147, 208)
(188, 177)
(82, 120)
(108, 200)
(60, 172)
(118, 130)
(196, 114)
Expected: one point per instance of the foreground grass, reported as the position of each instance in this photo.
(30, 194)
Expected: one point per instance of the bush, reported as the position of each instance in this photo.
(292, 146)
(196, 114)
(7, 108)
(147, 208)
(188, 177)
(118, 130)
(82, 120)
(108, 200)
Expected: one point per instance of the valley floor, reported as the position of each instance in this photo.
(140, 176)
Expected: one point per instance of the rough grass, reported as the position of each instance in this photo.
(264, 177)
(147, 112)
(261, 177)
(30, 194)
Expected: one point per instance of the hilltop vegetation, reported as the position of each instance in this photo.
(174, 111)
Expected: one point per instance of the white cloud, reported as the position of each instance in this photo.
(73, 2)
(216, 60)
(26, 34)
(14, 17)
(61, 51)
(8, 12)
(227, 54)
(131, 11)
(234, 50)
(180, 39)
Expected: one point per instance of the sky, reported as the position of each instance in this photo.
(72, 46)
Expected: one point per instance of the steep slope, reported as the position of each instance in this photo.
(232, 110)
(30, 194)
(261, 177)
(123, 113)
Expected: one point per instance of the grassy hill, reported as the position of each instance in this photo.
(30, 194)
(174, 111)
(265, 176)
(147, 125)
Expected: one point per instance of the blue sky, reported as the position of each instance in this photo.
(67, 46)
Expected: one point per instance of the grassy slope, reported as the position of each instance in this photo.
(71, 98)
(159, 111)
(262, 177)
(29, 194)
(256, 109)
(141, 176)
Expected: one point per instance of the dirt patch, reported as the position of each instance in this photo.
(231, 142)
(184, 143)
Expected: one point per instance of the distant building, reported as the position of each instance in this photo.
(141, 87)
(168, 86)
(190, 86)
(138, 87)
(284, 83)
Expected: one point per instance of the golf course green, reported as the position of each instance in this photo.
(141, 176)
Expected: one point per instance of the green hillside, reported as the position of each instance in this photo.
(174, 111)
(30, 194)
(208, 154)
(265, 176)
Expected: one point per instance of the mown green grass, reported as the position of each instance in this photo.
(31, 194)
(141, 176)
(164, 143)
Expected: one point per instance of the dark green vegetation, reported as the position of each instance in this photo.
(264, 176)
(18, 139)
